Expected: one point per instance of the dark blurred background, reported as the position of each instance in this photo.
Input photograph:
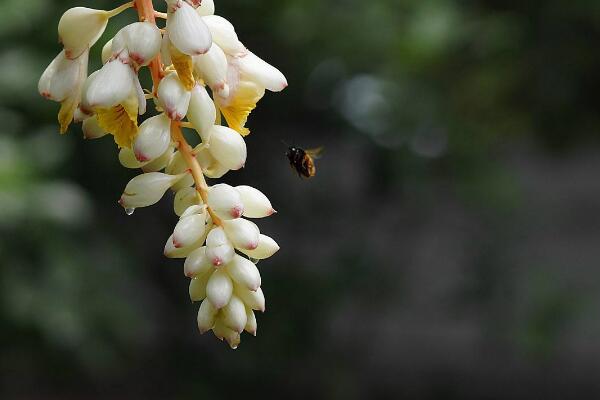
(448, 247)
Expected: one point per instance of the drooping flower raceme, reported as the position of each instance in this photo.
(197, 54)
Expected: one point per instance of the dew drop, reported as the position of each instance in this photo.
(254, 260)
(129, 211)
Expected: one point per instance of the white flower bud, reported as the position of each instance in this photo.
(227, 147)
(244, 272)
(186, 29)
(158, 164)
(142, 41)
(212, 67)
(63, 77)
(206, 316)
(79, 28)
(189, 230)
(265, 249)
(91, 129)
(210, 166)
(153, 138)
(256, 204)
(243, 234)
(261, 72)
(219, 289)
(185, 198)
(182, 252)
(207, 7)
(234, 315)
(222, 332)
(113, 83)
(177, 165)
(147, 189)
(251, 325)
(107, 51)
(201, 112)
(193, 210)
(173, 97)
(128, 160)
(225, 201)
(197, 264)
(223, 34)
(254, 300)
(219, 250)
(197, 288)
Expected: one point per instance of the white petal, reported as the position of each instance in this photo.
(197, 288)
(160, 163)
(234, 314)
(212, 67)
(207, 7)
(261, 72)
(206, 316)
(244, 272)
(189, 230)
(173, 252)
(147, 189)
(256, 204)
(197, 264)
(251, 325)
(242, 233)
(186, 29)
(185, 198)
(142, 41)
(265, 249)
(219, 289)
(112, 85)
(223, 34)
(63, 77)
(91, 129)
(219, 249)
(254, 300)
(227, 147)
(225, 201)
(128, 160)
(173, 97)
(153, 138)
(201, 112)
(79, 28)
(210, 166)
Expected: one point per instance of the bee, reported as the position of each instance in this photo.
(303, 161)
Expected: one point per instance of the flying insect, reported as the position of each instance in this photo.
(303, 161)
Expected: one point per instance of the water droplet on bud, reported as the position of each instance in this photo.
(129, 211)
(254, 260)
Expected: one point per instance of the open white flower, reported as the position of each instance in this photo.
(186, 29)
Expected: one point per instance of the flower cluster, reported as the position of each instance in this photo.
(201, 73)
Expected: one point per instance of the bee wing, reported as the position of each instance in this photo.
(315, 153)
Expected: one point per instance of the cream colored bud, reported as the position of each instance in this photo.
(177, 165)
(182, 252)
(219, 289)
(256, 204)
(107, 51)
(207, 7)
(128, 160)
(153, 138)
(147, 189)
(255, 300)
(244, 273)
(251, 325)
(234, 315)
(142, 41)
(206, 316)
(79, 28)
(173, 97)
(201, 112)
(225, 201)
(219, 249)
(261, 72)
(243, 234)
(223, 34)
(227, 147)
(186, 29)
(165, 53)
(212, 68)
(158, 164)
(91, 129)
(197, 264)
(265, 249)
(197, 288)
(185, 198)
(223, 332)
(112, 85)
(210, 166)
(63, 78)
(189, 230)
